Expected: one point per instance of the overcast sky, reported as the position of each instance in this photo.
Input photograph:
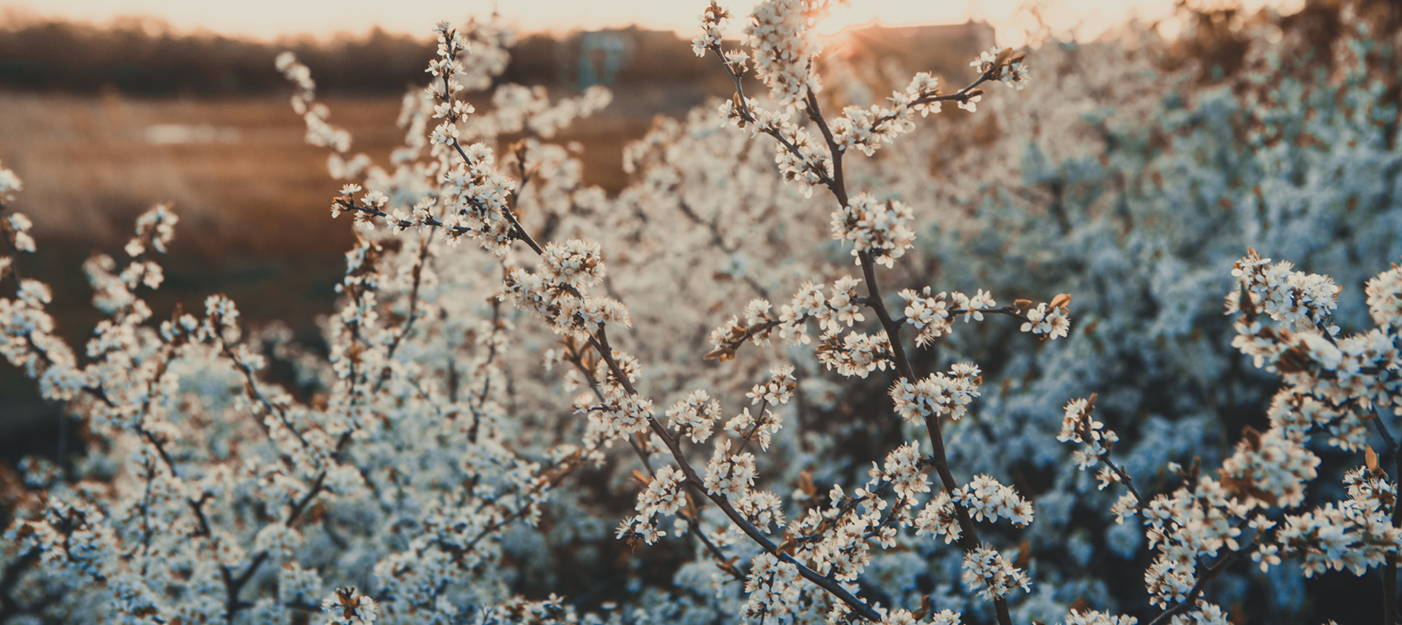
(271, 18)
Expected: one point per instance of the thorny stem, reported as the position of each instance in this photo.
(1125, 479)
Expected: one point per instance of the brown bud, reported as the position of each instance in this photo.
(805, 483)
(1294, 360)
(1022, 304)
(1024, 555)
(924, 608)
(722, 354)
(1251, 437)
(1061, 301)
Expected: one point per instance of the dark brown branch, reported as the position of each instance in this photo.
(1192, 599)
(233, 585)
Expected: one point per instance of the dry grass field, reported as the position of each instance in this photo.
(249, 192)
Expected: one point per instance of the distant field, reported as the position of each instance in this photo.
(229, 165)
(252, 198)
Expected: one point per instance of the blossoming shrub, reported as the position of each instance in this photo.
(768, 345)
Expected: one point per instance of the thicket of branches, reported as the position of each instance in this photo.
(979, 372)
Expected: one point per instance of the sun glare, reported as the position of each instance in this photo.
(847, 16)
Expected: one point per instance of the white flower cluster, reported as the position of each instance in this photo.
(865, 129)
(17, 227)
(73, 540)
(1357, 534)
(905, 617)
(902, 470)
(319, 131)
(712, 29)
(1047, 322)
(1202, 613)
(1269, 469)
(279, 540)
(933, 315)
(777, 390)
(1078, 426)
(204, 497)
(938, 396)
(838, 544)
(26, 331)
(1183, 526)
(576, 263)
(1385, 298)
(348, 607)
(730, 474)
(760, 427)
(835, 312)
(1004, 65)
(1324, 374)
(10, 184)
(407, 454)
(1324, 371)
(552, 610)
(877, 228)
(155, 227)
(802, 157)
(554, 292)
(1092, 617)
(984, 496)
(939, 518)
(858, 354)
(778, 32)
(1299, 300)
(694, 415)
(773, 589)
(663, 495)
(989, 574)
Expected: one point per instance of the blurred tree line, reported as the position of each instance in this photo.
(145, 57)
